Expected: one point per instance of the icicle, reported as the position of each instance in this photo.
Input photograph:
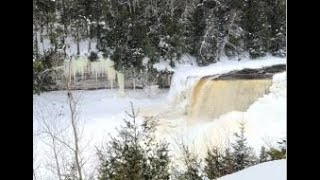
(120, 77)
(73, 67)
(82, 65)
(67, 69)
(96, 69)
(110, 71)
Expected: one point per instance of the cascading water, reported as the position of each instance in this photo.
(205, 111)
(212, 98)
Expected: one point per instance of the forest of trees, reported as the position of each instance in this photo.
(129, 30)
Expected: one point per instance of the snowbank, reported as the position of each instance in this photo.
(267, 116)
(185, 61)
(273, 170)
(163, 65)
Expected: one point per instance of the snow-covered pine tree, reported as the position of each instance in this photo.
(243, 155)
(228, 163)
(156, 160)
(134, 154)
(124, 156)
(275, 11)
(214, 167)
(170, 37)
(256, 29)
(263, 157)
(191, 163)
(279, 152)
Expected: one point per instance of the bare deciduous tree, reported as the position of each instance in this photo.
(55, 132)
(75, 126)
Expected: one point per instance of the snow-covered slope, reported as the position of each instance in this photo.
(273, 170)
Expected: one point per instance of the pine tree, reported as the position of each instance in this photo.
(279, 152)
(42, 79)
(276, 16)
(208, 44)
(242, 153)
(263, 157)
(156, 162)
(228, 162)
(134, 154)
(192, 165)
(124, 157)
(128, 31)
(197, 26)
(214, 164)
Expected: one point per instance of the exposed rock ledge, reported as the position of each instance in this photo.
(262, 73)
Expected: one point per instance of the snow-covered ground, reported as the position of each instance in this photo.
(102, 112)
(272, 170)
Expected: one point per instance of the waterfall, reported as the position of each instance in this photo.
(212, 98)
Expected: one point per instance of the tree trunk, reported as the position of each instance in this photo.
(78, 40)
(98, 37)
(134, 81)
(56, 157)
(89, 45)
(78, 46)
(36, 41)
(73, 108)
(225, 40)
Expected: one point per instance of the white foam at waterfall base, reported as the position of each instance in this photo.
(267, 116)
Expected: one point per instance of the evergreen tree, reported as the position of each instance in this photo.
(192, 165)
(263, 157)
(134, 154)
(275, 11)
(280, 152)
(156, 160)
(228, 162)
(170, 33)
(42, 79)
(130, 30)
(242, 153)
(214, 164)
